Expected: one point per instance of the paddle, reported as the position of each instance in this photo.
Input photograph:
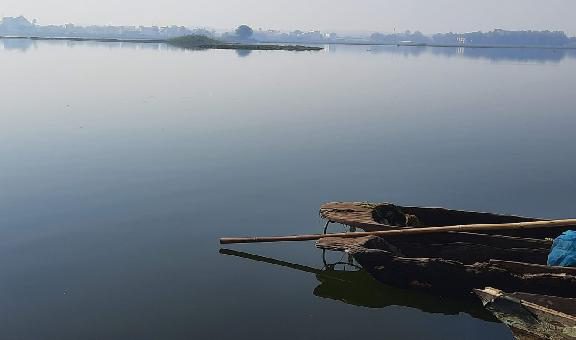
(410, 231)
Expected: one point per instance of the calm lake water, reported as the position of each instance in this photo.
(123, 164)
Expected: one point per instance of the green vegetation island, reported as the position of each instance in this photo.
(203, 42)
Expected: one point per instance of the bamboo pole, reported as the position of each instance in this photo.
(410, 231)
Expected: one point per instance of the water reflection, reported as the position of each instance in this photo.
(24, 45)
(243, 53)
(179, 148)
(522, 55)
(356, 287)
(21, 45)
(540, 55)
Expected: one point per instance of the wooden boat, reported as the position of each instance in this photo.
(451, 262)
(456, 263)
(532, 316)
(385, 216)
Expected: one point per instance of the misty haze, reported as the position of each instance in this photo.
(138, 136)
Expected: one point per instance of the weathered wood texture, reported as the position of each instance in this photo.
(450, 237)
(458, 273)
(532, 316)
(467, 248)
(531, 268)
(363, 215)
(452, 277)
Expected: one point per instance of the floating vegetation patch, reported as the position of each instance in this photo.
(203, 42)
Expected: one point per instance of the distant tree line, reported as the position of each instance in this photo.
(415, 37)
(20, 26)
(495, 37)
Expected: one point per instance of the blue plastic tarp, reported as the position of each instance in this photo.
(563, 252)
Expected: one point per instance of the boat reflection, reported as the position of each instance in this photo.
(356, 287)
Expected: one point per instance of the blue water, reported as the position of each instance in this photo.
(122, 165)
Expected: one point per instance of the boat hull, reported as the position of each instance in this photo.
(532, 316)
(368, 217)
(461, 271)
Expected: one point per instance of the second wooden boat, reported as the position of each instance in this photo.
(532, 316)
(456, 263)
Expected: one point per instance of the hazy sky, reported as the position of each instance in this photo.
(340, 15)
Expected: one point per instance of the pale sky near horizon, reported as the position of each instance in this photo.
(428, 16)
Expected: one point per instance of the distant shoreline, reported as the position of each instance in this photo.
(146, 41)
(484, 46)
(350, 43)
(216, 46)
(283, 45)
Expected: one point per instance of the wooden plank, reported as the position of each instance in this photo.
(341, 244)
(530, 268)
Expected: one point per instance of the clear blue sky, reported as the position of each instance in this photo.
(340, 15)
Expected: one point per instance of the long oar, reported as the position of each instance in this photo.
(411, 231)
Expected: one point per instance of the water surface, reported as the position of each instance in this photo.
(122, 164)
